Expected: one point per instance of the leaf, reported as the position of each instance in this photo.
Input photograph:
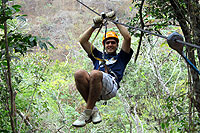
(51, 45)
(130, 8)
(179, 108)
(137, 35)
(163, 44)
(31, 39)
(156, 128)
(45, 46)
(4, 63)
(16, 6)
(162, 125)
(17, 10)
(40, 44)
(22, 18)
(4, 131)
(1, 27)
(13, 9)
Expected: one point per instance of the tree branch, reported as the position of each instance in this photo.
(142, 33)
(8, 74)
(24, 118)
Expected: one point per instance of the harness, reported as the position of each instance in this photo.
(148, 32)
(103, 60)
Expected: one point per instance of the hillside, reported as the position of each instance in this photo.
(63, 21)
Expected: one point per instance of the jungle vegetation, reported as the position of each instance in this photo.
(160, 92)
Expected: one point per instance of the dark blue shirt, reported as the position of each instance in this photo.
(116, 62)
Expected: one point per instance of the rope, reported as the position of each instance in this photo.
(105, 37)
(91, 48)
(103, 61)
(190, 63)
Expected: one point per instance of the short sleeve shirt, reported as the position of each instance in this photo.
(116, 62)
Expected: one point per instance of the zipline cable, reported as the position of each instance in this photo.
(136, 28)
(89, 8)
(189, 44)
(146, 31)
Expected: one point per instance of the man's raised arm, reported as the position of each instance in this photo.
(126, 44)
(123, 30)
(84, 39)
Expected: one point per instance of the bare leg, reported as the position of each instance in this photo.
(90, 87)
(82, 83)
(95, 85)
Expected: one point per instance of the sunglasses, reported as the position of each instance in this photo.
(112, 42)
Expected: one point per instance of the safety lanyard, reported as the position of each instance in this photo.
(104, 49)
(91, 48)
(103, 61)
(148, 32)
(190, 63)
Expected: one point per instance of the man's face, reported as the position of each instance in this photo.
(111, 46)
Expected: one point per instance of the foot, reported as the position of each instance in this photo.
(96, 116)
(84, 118)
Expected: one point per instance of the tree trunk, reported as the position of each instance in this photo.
(191, 31)
(194, 11)
(8, 74)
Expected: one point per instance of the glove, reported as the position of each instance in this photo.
(111, 16)
(171, 40)
(97, 22)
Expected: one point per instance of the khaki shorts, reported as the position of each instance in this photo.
(110, 87)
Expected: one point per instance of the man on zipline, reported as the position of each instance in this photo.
(102, 83)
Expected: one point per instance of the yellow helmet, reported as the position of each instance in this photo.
(110, 34)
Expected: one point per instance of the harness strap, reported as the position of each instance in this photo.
(91, 48)
(190, 63)
(103, 61)
(105, 66)
(109, 71)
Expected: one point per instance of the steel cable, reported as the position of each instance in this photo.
(146, 31)
(159, 35)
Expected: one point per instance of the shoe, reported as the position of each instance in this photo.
(83, 119)
(96, 116)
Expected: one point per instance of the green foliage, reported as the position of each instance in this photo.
(17, 42)
(159, 84)
(152, 98)
(156, 15)
(45, 92)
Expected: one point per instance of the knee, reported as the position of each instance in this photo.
(96, 75)
(80, 74)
